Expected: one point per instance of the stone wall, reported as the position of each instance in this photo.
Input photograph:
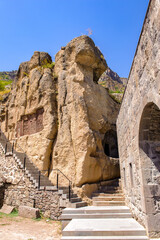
(2, 190)
(17, 189)
(139, 122)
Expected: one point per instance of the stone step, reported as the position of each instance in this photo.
(77, 199)
(108, 198)
(77, 204)
(73, 195)
(48, 188)
(109, 203)
(66, 218)
(110, 188)
(95, 215)
(104, 238)
(64, 191)
(107, 195)
(97, 210)
(114, 182)
(104, 227)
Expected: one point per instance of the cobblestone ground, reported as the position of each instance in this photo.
(18, 228)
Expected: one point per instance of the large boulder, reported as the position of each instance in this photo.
(59, 114)
(31, 109)
(85, 113)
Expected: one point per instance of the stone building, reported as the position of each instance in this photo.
(138, 127)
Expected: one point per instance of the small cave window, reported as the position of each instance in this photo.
(110, 145)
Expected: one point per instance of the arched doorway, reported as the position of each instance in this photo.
(110, 145)
(149, 148)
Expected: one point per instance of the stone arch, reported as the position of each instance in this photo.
(149, 133)
(110, 144)
(149, 149)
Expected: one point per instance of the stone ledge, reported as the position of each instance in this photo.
(28, 212)
(6, 209)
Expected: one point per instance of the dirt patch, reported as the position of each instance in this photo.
(18, 228)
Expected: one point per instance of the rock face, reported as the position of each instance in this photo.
(112, 81)
(59, 114)
(31, 112)
(114, 84)
(85, 113)
(5, 76)
(139, 127)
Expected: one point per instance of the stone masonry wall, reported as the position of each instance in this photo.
(139, 172)
(19, 190)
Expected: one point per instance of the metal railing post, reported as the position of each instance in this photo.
(69, 191)
(39, 180)
(24, 162)
(12, 148)
(57, 179)
(6, 148)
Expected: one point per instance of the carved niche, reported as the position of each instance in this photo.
(30, 124)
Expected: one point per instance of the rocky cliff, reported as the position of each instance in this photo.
(61, 117)
(112, 81)
(9, 75)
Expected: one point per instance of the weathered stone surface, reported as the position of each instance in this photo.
(112, 81)
(138, 127)
(28, 212)
(31, 110)
(88, 189)
(59, 116)
(6, 209)
(85, 113)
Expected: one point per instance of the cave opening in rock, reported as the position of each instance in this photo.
(106, 149)
(110, 145)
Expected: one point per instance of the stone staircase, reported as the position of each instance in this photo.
(109, 194)
(39, 180)
(107, 219)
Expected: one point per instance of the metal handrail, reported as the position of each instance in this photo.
(40, 172)
(14, 140)
(57, 183)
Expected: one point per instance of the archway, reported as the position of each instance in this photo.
(110, 145)
(149, 148)
(149, 134)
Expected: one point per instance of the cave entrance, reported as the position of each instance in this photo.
(149, 149)
(110, 145)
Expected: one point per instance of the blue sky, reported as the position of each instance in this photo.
(46, 25)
